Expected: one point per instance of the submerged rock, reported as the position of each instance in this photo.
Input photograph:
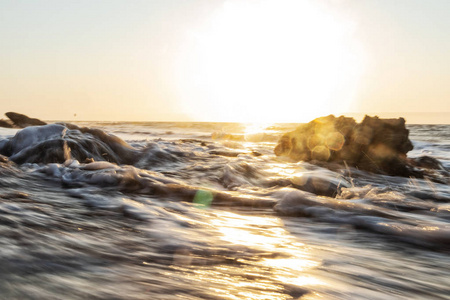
(23, 121)
(375, 145)
(57, 143)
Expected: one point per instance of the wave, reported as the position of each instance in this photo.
(363, 214)
(207, 217)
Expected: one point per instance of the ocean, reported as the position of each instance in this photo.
(207, 211)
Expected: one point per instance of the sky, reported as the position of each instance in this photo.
(225, 60)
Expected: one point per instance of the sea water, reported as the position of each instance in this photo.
(207, 211)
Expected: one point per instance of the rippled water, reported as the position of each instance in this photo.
(209, 212)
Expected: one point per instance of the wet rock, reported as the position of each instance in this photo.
(319, 184)
(23, 121)
(375, 145)
(428, 162)
(57, 143)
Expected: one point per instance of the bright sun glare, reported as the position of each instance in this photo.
(269, 61)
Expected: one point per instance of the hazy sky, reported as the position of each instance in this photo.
(227, 60)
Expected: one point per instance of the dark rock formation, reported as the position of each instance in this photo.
(375, 145)
(428, 163)
(431, 168)
(56, 143)
(5, 124)
(23, 121)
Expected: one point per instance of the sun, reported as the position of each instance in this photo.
(269, 61)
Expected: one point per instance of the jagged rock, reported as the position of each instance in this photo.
(23, 121)
(375, 145)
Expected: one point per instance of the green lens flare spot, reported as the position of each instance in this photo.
(203, 199)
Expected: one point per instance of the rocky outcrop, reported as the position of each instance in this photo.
(22, 121)
(375, 145)
(5, 124)
(57, 143)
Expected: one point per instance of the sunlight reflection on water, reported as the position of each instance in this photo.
(276, 267)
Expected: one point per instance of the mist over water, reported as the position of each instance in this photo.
(207, 211)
